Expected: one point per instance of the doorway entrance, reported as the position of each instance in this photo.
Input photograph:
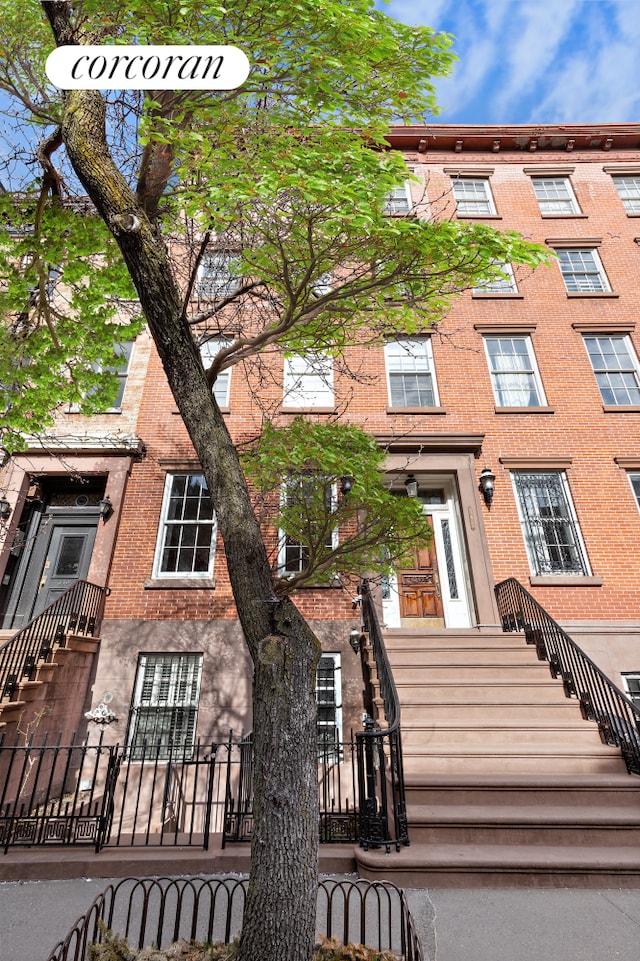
(436, 592)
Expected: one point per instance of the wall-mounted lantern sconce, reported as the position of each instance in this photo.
(354, 639)
(346, 483)
(5, 508)
(411, 486)
(487, 485)
(106, 508)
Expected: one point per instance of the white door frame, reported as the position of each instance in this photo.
(452, 567)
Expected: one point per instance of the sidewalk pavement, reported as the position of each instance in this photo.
(454, 924)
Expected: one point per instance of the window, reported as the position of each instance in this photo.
(473, 196)
(411, 373)
(217, 276)
(514, 376)
(632, 685)
(499, 285)
(629, 191)
(162, 722)
(582, 270)
(329, 701)
(221, 388)
(187, 535)
(323, 285)
(634, 480)
(616, 368)
(308, 381)
(123, 351)
(550, 529)
(555, 195)
(398, 200)
(307, 497)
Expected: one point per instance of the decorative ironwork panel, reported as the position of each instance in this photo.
(448, 556)
(550, 531)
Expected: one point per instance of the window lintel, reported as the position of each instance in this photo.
(536, 463)
(580, 243)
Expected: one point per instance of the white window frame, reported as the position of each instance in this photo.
(167, 686)
(628, 187)
(632, 371)
(308, 381)
(555, 196)
(531, 371)
(634, 480)
(499, 285)
(125, 348)
(398, 202)
(222, 387)
(336, 703)
(166, 524)
(476, 203)
(323, 284)
(216, 279)
(583, 278)
(416, 357)
(631, 681)
(539, 553)
(284, 570)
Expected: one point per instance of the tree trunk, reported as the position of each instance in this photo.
(280, 913)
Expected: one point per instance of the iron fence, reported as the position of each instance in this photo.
(618, 719)
(159, 911)
(77, 611)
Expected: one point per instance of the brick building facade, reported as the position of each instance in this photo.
(535, 377)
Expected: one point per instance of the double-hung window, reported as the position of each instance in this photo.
(308, 381)
(410, 373)
(329, 702)
(632, 685)
(628, 188)
(473, 196)
(555, 195)
(634, 480)
(309, 501)
(187, 534)
(582, 270)
(616, 368)
(164, 709)
(514, 375)
(549, 525)
(221, 389)
(218, 276)
(398, 200)
(499, 285)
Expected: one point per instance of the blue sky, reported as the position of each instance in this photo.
(536, 61)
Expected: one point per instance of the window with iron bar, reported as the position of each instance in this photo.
(164, 709)
(550, 528)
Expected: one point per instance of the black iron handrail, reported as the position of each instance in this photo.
(383, 809)
(600, 700)
(77, 611)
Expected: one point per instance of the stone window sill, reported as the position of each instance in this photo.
(564, 216)
(495, 295)
(621, 408)
(179, 583)
(416, 410)
(565, 580)
(525, 410)
(592, 295)
(307, 410)
(479, 216)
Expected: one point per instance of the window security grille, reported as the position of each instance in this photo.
(582, 271)
(555, 195)
(615, 368)
(163, 715)
(629, 190)
(187, 530)
(329, 701)
(513, 373)
(473, 196)
(409, 368)
(550, 530)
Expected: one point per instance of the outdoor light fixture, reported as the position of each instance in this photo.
(5, 508)
(346, 483)
(354, 639)
(106, 508)
(487, 485)
(411, 486)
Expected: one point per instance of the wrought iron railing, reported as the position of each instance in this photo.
(77, 611)
(382, 800)
(160, 911)
(618, 719)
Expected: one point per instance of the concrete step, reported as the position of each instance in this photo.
(510, 714)
(465, 657)
(507, 758)
(579, 737)
(509, 865)
(540, 790)
(462, 674)
(447, 690)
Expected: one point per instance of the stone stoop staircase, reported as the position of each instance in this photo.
(507, 784)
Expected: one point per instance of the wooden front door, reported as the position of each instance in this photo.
(419, 587)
